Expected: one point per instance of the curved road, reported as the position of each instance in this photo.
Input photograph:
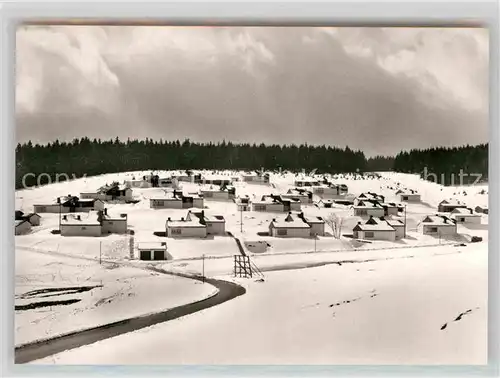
(44, 348)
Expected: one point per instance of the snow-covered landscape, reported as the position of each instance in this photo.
(252, 195)
(310, 301)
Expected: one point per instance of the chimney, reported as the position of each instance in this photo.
(58, 199)
(78, 217)
(182, 219)
(105, 211)
(65, 217)
(169, 219)
(359, 223)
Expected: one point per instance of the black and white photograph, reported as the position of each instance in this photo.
(251, 195)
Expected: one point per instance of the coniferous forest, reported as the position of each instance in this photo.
(93, 157)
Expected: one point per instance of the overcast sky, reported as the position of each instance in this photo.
(375, 89)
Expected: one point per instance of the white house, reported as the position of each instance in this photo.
(408, 196)
(371, 196)
(391, 208)
(378, 231)
(176, 200)
(70, 204)
(219, 193)
(113, 192)
(215, 224)
(190, 228)
(447, 206)
(22, 227)
(302, 195)
(80, 225)
(269, 204)
(331, 190)
(306, 182)
(465, 215)
(152, 251)
(290, 226)
(255, 178)
(397, 224)
(112, 224)
(438, 225)
(367, 208)
(316, 223)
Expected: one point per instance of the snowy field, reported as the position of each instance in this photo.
(420, 283)
(102, 293)
(429, 309)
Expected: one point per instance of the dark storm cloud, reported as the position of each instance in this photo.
(378, 90)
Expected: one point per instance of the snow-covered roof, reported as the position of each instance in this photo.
(150, 246)
(383, 226)
(89, 219)
(289, 222)
(368, 204)
(463, 211)
(439, 220)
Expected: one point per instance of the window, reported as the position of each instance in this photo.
(84, 228)
(282, 232)
(209, 194)
(260, 207)
(110, 223)
(433, 229)
(462, 219)
(405, 198)
(176, 231)
(369, 234)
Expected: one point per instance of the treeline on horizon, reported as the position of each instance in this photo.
(94, 157)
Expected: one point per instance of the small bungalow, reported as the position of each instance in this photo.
(317, 224)
(331, 190)
(112, 224)
(438, 225)
(113, 192)
(215, 224)
(290, 226)
(78, 225)
(374, 231)
(223, 192)
(327, 203)
(276, 203)
(32, 218)
(363, 208)
(465, 215)
(300, 194)
(306, 182)
(176, 200)
(397, 224)
(371, 196)
(70, 204)
(447, 206)
(216, 180)
(391, 208)
(255, 178)
(190, 228)
(243, 203)
(152, 251)
(408, 196)
(22, 227)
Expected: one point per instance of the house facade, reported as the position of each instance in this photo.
(447, 206)
(306, 182)
(223, 193)
(377, 231)
(465, 216)
(113, 192)
(177, 200)
(289, 227)
(438, 225)
(70, 204)
(409, 196)
(368, 208)
(276, 203)
(79, 225)
(215, 224)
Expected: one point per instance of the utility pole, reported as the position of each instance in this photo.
(59, 215)
(241, 218)
(100, 252)
(203, 267)
(315, 237)
(405, 221)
